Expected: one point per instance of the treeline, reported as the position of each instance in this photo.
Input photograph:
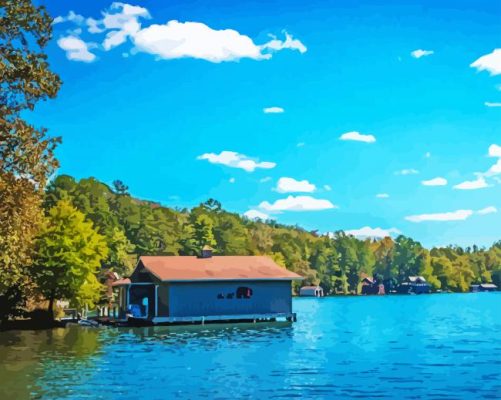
(131, 227)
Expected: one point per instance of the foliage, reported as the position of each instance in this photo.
(337, 262)
(69, 253)
(26, 153)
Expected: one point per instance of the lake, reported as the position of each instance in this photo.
(434, 346)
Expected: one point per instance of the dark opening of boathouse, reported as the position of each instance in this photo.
(173, 289)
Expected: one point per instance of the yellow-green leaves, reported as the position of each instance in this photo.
(69, 253)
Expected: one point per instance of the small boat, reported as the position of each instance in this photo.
(88, 322)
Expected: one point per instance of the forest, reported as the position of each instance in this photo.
(132, 227)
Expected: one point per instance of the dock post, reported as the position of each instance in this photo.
(203, 320)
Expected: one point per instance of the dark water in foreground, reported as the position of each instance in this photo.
(435, 346)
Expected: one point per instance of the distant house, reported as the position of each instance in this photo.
(414, 285)
(174, 289)
(372, 286)
(311, 291)
(483, 287)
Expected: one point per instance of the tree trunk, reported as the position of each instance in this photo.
(51, 305)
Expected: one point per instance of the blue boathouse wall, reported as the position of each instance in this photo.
(190, 299)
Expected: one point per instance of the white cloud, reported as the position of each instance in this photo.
(297, 203)
(235, 160)
(265, 179)
(289, 43)
(421, 53)
(478, 183)
(231, 180)
(407, 171)
(494, 150)
(255, 214)
(71, 17)
(122, 24)
(273, 110)
(357, 136)
(490, 104)
(438, 181)
(300, 144)
(458, 215)
(174, 39)
(489, 62)
(368, 232)
(196, 40)
(94, 26)
(328, 188)
(382, 195)
(76, 49)
(290, 185)
(427, 154)
(494, 170)
(487, 210)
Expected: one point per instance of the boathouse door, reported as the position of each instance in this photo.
(143, 295)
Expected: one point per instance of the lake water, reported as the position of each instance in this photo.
(433, 346)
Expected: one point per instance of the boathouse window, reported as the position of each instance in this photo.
(244, 292)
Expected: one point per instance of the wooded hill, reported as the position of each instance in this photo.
(132, 227)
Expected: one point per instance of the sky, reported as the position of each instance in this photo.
(375, 117)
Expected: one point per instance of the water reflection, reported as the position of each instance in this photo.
(395, 346)
(26, 356)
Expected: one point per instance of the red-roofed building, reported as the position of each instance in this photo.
(173, 289)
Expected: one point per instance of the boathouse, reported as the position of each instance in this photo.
(414, 285)
(177, 289)
(483, 287)
(372, 286)
(311, 291)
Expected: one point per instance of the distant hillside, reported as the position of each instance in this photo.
(135, 227)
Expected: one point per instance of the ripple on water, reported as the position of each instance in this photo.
(408, 347)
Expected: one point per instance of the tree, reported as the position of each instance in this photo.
(69, 253)
(203, 234)
(119, 258)
(120, 187)
(26, 153)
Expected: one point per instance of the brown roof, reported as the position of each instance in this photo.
(188, 268)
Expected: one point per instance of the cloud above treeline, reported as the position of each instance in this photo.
(358, 137)
(438, 181)
(291, 185)
(421, 53)
(297, 203)
(489, 62)
(233, 159)
(407, 171)
(458, 215)
(121, 23)
(376, 233)
(256, 215)
(273, 110)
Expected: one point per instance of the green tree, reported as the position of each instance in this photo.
(120, 187)
(26, 153)
(119, 257)
(203, 234)
(69, 253)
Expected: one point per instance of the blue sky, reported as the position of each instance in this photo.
(332, 115)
